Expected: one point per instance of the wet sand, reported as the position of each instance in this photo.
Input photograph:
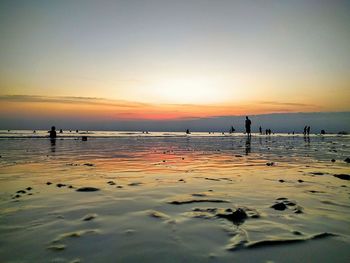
(175, 199)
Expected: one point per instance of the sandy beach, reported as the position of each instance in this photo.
(174, 198)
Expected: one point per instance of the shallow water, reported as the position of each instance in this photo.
(162, 197)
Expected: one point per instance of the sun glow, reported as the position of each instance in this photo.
(197, 90)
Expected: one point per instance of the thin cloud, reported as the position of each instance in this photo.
(70, 100)
(119, 109)
(276, 103)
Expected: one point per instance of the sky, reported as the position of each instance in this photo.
(170, 60)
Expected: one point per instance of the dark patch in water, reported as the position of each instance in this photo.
(317, 173)
(279, 206)
(200, 195)
(237, 217)
(89, 217)
(134, 184)
(211, 179)
(315, 191)
(190, 201)
(283, 203)
(276, 242)
(87, 189)
(342, 176)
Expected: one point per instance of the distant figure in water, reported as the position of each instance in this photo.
(323, 132)
(76, 131)
(232, 130)
(248, 123)
(188, 131)
(53, 132)
(260, 130)
(305, 130)
(293, 133)
(308, 130)
(34, 131)
(270, 131)
(61, 131)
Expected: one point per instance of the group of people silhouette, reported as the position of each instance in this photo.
(306, 130)
(248, 124)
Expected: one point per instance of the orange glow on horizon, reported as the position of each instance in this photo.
(99, 109)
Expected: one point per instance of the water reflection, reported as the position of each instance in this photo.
(248, 145)
(53, 144)
(307, 140)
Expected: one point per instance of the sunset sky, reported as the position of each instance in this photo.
(173, 59)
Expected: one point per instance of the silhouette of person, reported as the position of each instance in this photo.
(61, 131)
(248, 124)
(308, 130)
(53, 133)
(260, 130)
(188, 131)
(232, 130)
(305, 128)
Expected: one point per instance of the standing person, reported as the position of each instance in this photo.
(305, 128)
(248, 124)
(53, 133)
(308, 130)
(260, 130)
